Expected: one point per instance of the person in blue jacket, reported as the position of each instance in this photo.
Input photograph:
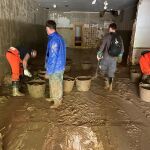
(55, 62)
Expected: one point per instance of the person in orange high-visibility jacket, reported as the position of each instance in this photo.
(145, 64)
(17, 57)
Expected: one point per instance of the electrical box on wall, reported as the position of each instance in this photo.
(111, 14)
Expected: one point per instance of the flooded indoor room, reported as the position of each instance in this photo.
(74, 75)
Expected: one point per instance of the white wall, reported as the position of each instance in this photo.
(142, 32)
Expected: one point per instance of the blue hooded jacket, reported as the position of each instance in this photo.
(55, 60)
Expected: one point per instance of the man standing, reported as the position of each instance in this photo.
(55, 62)
(111, 49)
(18, 57)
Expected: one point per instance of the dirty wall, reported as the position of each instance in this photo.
(21, 22)
(66, 22)
(92, 37)
(140, 37)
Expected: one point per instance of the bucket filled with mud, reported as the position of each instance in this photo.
(42, 74)
(83, 83)
(86, 65)
(135, 76)
(68, 84)
(144, 89)
(36, 88)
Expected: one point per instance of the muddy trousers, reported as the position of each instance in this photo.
(108, 67)
(56, 86)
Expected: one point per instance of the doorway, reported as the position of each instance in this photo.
(78, 35)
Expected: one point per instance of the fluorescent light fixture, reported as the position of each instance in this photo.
(93, 2)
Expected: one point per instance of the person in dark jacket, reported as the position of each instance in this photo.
(55, 62)
(17, 57)
(109, 62)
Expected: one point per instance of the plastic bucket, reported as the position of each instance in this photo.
(68, 68)
(86, 65)
(36, 88)
(144, 92)
(68, 84)
(135, 76)
(83, 83)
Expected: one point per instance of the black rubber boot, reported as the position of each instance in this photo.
(110, 84)
(106, 83)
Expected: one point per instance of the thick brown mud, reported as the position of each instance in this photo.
(93, 120)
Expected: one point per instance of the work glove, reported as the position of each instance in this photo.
(27, 73)
(119, 58)
(99, 55)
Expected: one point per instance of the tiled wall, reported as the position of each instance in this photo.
(21, 22)
(69, 20)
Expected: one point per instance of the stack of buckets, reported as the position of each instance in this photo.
(144, 86)
(83, 83)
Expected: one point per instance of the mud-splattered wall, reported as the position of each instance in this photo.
(21, 22)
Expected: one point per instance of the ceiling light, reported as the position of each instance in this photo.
(93, 2)
(54, 6)
(105, 5)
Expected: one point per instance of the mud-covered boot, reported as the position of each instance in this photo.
(49, 99)
(15, 87)
(110, 84)
(57, 103)
(106, 84)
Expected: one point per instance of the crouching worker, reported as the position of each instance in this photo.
(55, 63)
(18, 57)
(145, 64)
(110, 52)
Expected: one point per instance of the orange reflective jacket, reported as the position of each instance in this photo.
(145, 63)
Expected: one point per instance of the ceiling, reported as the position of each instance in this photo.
(85, 5)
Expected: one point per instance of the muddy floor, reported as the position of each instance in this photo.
(94, 120)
